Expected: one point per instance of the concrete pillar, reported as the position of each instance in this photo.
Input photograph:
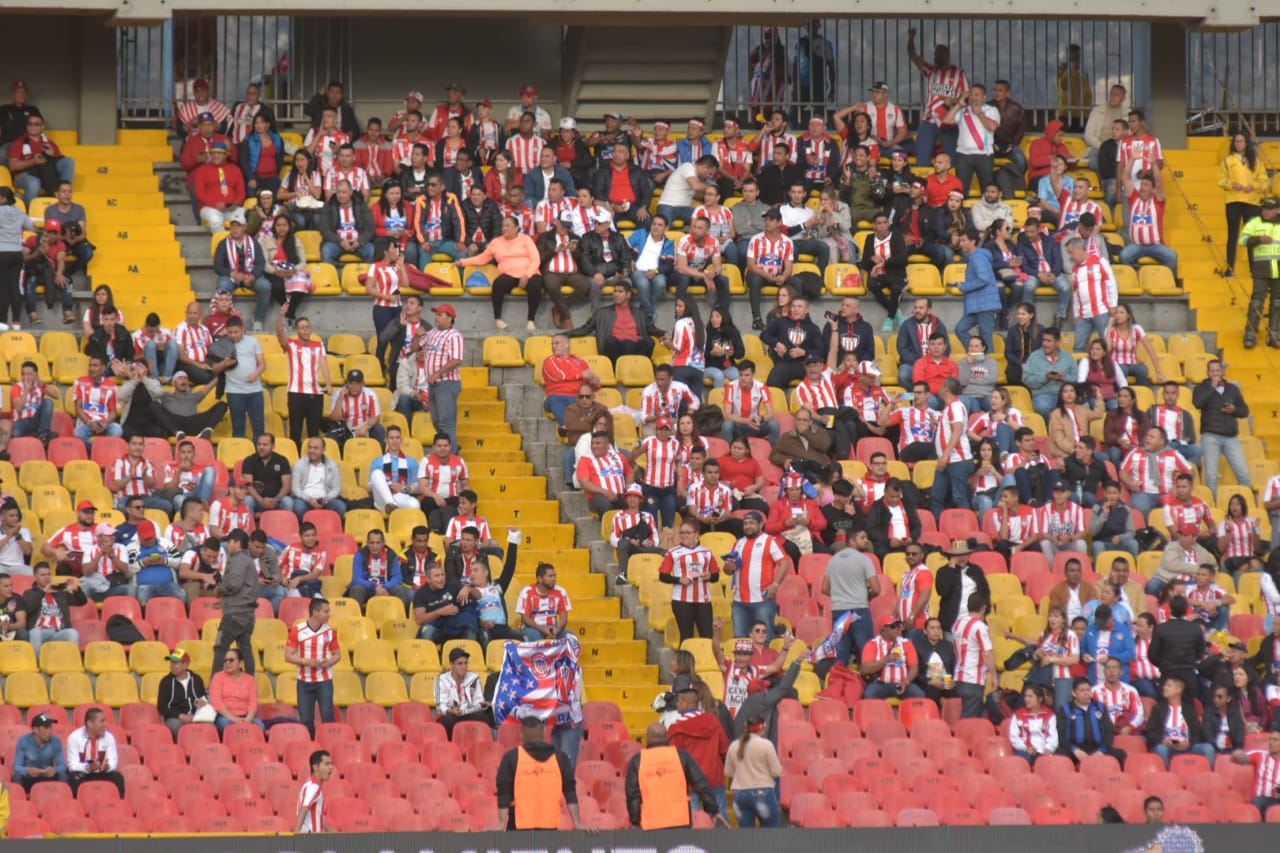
(96, 112)
(1167, 112)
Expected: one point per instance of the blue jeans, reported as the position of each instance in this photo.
(309, 693)
(1216, 446)
(1220, 619)
(330, 252)
(983, 321)
(682, 282)
(1044, 404)
(695, 802)
(1144, 502)
(1062, 287)
(567, 739)
(148, 591)
(673, 213)
(87, 435)
(440, 247)
(1166, 754)
(1163, 254)
(84, 253)
(247, 404)
(819, 249)
(744, 614)
(757, 807)
(1086, 327)
(41, 423)
(1191, 452)
(1127, 543)
(650, 290)
(769, 429)
(927, 137)
(661, 503)
(1155, 587)
(1061, 692)
(286, 503)
(64, 295)
(718, 375)
(161, 364)
(301, 508)
(204, 489)
(273, 594)
(444, 407)
(149, 501)
(223, 723)
(460, 626)
(881, 690)
(1137, 374)
(1004, 438)
(262, 293)
(953, 479)
(859, 634)
(556, 405)
(29, 186)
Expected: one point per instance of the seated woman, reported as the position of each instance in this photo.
(1100, 370)
(797, 520)
(1033, 731)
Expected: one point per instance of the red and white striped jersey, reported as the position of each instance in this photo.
(1122, 702)
(189, 111)
(624, 520)
(449, 154)
(817, 153)
(1071, 210)
(942, 82)
(1169, 419)
(1141, 152)
(356, 176)
(1146, 220)
(698, 254)
(708, 501)
(721, 220)
(1175, 725)
(916, 582)
(1266, 770)
(1036, 730)
(359, 408)
(954, 417)
(1141, 665)
(1195, 511)
(98, 400)
(1124, 350)
(973, 643)
(653, 155)
(210, 574)
(141, 338)
(441, 347)
(546, 212)
(443, 476)
(223, 516)
(74, 537)
(1023, 523)
(346, 226)
(654, 402)
(431, 217)
(175, 535)
(99, 561)
(1201, 594)
(525, 152)
(327, 144)
(313, 644)
(736, 680)
(766, 142)
(1057, 520)
(817, 395)
(413, 566)
(684, 344)
(1239, 533)
(562, 260)
(543, 608)
(699, 565)
(304, 365)
(980, 423)
(385, 279)
(918, 425)
(735, 158)
(746, 402)
(1095, 288)
(1056, 646)
(901, 656)
(50, 613)
(297, 560)
(1271, 491)
(134, 473)
(402, 149)
(608, 472)
(872, 491)
(26, 403)
(1155, 475)
(886, 120)
(771, 254)
(868, 402)
(1018, 459)
(1130, 430)
(757, 565)
(663, 461)
(453, 532)
(311, 802)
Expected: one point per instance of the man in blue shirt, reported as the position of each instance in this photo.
(39, 756)
(981, 291)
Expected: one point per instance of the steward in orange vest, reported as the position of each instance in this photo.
(659, 780)
(533, 780)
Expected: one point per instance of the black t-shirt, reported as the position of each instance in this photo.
(433, 599)
(839, 522)
(267, 476)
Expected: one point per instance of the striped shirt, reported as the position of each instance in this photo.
(1266, 779)
(26, 403)
(134, 472)
(1239, 533)
(916, 582)
(663, 458)
(608, 472)
(543, 608)
(941, 83)
(1051, 645)
(745, 402)
(562, 260)
(771, 254)
(901, 657)
(757, 567)
(710, 501)
(443, 346)
(453, 532)
(304, 365)
(1122, 702)
(176, 535)
(655, 402)
(357, 177)
(1095, 288)
(1071, 210)
(1022, 524)
(1146, 220)
(327, 143)
(1194, 511)
(1057, 520)
(684, 344)
(953, 418)
(242, 120)
(817, 395)
(546, 212)
(973, 643)
(297, 560)
(766, 142)
(315, 644)
(385, 279)
(98, 400)
(698, 564)
(1141, 665)
(1124, 350)
(311, 801)
(525, 152)
(225, 517)
(443, 476)
(193, 340)
(359, 408)
(624, 520)
(918, 425)
(1157, 478)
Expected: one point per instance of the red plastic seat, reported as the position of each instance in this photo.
(123, 605)
(198, 739)
(866, 711)
(917, 817)
(204, 609)
(64, 449)
(281, 524)
(105, 450)
(1008, 816)
(28, 449)
(869, 819)
(160, 610)
(1053, 817)
(96, 795)
(294, 610)
(176, 631)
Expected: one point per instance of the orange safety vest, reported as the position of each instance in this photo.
(538, 787)
(664, 794)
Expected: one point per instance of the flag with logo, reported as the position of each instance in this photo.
(542, 679)
(827, 648)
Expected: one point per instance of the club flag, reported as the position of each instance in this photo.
(542, 679)
(827, 648)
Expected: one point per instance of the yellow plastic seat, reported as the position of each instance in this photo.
(1158, 281)
(105, 656)
(634, 371)
(233, 450)
(477, 663)
(1127, 283)
(267, 631)
(369, 365)
(398, 631)
(358, 522)
(70, 366)
(345, 345)
(536, 349)
(311, 241)
(700, 648)
(602, 367)
(80, 474)
(422, 688)
(415, 656)
(923, 280)
(374, 656)
(351, 630)
(277, 369)
(57, 657)
(70, 689)
(116, 689)
(26, 689)
(384, 608)
(17, 657)
(346, 689)
(837, 280)
(36, 472)
(351, 278)
(386, 689)
(324, 277)
(147, 657)
(503, 351)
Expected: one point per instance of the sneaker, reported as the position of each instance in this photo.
(34, 319)
(887, 325)
(68, 318)
(756, 323)
(257, 326)
(206, 433)
(180, 435)
(621, 579)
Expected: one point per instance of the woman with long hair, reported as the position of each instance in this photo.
(285, 265)
(384, 281)
(1123, 427)
(303, 182)
(752, 763)
(723, 348)
(1243, 178)
(1239, 538)
(1033, 731)
(1070, 419)
(1058, 647)
(393, 219)
(741, 471)
(1123, 337)
(1007, 264)
(262, 155)
(103, 302)
(688, 436)
(1098, 369)
(1000, 422)
(501, 177)
(687, 341)
(447, 148)
(952, 221)
(1051, 188)
(984, 483)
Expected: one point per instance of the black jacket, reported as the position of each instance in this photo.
(122, 344)
(946, 650)
(1216, 669)
(948, 586)
(902, 218)
(1263, 662)
(33, 598)
(540, 752)
(1067, 734)
(314, 110)
(329, 219)
(878, 518)
(910, 350)
(778, 330)
(1235, 725)
(172, 700)
(641, 184)
(591, 255)
(895, 267)
(546, 242)
(1176, 649)
(600, 325)
(775, 182)
(859, 330)
(453, 182)
(1210, 403)
(1090, 478)
(1019, 344)
(1160, 715)
(487, 221)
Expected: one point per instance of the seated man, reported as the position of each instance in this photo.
(1148, 471)
(357, 408)
(37, 163)
(376, 571)
(1061, 523)
(302, 565)
(698, 262)
(219, 188)
(134, 475)
(665, 397)
(269, 477)
(240, 265)
(44, 263)
(563, 374)
(1015, 524)
(48, 608)
(544, 606)
(1145, 222)
(317, 482)
(797, 221)
(445, 611)
(393, 477)
(771, 254)
(200, 570)
(459, 693)
(39, 755)
(604, 475)
(1085, 727)
(1030, 470)
(893, 661)
(97, 405)
(748, 408)
(92, 754)
(346, 227)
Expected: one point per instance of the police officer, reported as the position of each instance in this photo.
(1262, 237)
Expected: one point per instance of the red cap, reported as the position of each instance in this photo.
(663, 422)
(200, 84)
(529, 89)
(485, 103)
(445, 309)
(890, 619)
(52, 225)
(83, 505)
(1188, 530)
(147, 529)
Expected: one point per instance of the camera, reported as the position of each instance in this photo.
(831, 315)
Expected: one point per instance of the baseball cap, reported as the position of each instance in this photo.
(147, 529)
(218, 146)
(663, 422)
(568, 123)
(1270, 202)
(773, 213)
(455, 86)
(41, 719)
(445, 309)
(634, 489)
(743, 647)
(616, 115)
(529, 89)
(178, 656)
(1062, 485)
(890, 619)
(879, 86)
(868, 368)
(181, 373)
(484, 102)
(206, 117)
(566, 217)
(1188, 530)
(236, 218)
(414, 96)
(457, 653)
(200, 84)
(104, 529)
(83, 505)
(603, 215)
(814, 358)
(52, 225)
(355, 376)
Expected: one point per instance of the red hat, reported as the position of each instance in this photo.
(52, 225)
(83, 505)
(200, 84)
(663, 422)
(792, 481)
(445, 309)
(485, 103)
(529, 89)
(1188, 530)
(890, 619)
(147, 529)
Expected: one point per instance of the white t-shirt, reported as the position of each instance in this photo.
(312, 487)
(649, 256)
(678, 192)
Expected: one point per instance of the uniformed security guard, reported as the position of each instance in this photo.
(1262, 237)
(535, 777)
(659, 779)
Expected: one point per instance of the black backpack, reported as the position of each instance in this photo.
(121, 630)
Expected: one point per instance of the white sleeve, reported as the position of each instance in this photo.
(75, 741)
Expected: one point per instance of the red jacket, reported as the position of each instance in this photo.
(1042, 149)
(197, 145)
(703, 737)
(208, 187)
(781, 511)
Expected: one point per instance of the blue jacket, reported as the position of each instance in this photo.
(251, 150)
(910, 349)
(666, 258)
(31, 754)
(684, 150)
(535, 185)
(359, 576)
(980, 287)
(383, 464)
(1031, 260)
(1122, 649)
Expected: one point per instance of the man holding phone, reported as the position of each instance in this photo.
(1045, 371)
(92, 754)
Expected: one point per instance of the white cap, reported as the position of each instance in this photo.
(567, 123)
